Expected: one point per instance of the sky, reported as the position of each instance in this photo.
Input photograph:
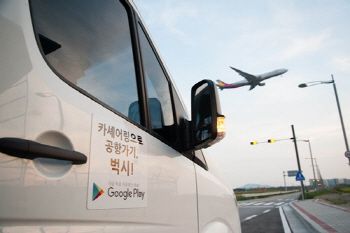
(202, 39)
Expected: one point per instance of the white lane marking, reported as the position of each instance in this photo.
(250, 217)
(279, 203)
(284, 221)
(250, 203)
(259, 203)
(266, 211)
(269, 203)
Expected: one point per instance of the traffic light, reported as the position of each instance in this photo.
(319, 183)
(271, 140)
(316, 182)
(253, 143)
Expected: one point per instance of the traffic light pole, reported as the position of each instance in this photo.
(297, 154)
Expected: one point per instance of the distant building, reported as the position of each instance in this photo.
(325, 183)
(332, 182)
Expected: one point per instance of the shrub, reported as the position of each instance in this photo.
(345, 190)
(337, 201)
(311, 195)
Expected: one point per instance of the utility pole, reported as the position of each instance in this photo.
(297, 154)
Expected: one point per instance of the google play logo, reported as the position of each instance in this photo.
(96, 192)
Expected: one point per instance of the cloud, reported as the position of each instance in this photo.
(286, 14)
(183, 36)
(173, 15)
(170, 18)
(342, 63)
(304, 45)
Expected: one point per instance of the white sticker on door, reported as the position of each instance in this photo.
(118, 169)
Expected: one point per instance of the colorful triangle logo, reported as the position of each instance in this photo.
(96, 192)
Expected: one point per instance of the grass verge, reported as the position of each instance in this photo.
(340, 197)
(337, 201)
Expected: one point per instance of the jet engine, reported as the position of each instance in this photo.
(261, 84)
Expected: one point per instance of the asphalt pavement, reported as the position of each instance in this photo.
(315, 215)
(265, 214)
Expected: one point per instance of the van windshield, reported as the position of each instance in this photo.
(88, 44)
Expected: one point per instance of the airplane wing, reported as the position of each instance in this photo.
(247, 76)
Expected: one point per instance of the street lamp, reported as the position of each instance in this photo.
(339, 109)
(312, 161)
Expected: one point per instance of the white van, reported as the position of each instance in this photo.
(93, 134)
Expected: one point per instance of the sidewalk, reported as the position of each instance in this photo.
(323, 217)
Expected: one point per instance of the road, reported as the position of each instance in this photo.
(263, 215)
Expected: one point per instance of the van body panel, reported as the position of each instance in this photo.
(148, 187)
(55, 194)
(214, 215)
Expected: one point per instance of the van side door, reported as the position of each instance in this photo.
(95, 85)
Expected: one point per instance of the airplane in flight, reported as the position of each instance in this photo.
(252, 80)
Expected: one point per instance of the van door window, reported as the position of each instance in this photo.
(158, 90)
(88, 43)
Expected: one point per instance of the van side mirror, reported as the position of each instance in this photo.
(207, 126)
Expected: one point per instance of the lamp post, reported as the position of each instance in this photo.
(312, 159)
(338, 104)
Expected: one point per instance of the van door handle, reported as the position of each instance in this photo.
(27, 149)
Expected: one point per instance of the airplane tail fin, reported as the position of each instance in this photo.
(221, 85)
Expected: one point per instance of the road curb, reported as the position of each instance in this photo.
(305, 219)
